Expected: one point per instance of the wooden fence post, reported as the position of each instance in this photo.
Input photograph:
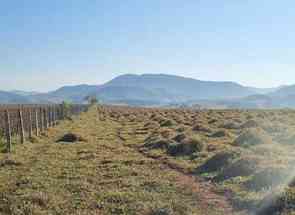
(8, 131)
(36, 122)
(62, 106)
(54, 116)
(30, 123)
(45, 119)
(41, 120)
(21, 124)
(49, 116)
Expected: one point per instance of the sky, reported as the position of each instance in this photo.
(48, 44)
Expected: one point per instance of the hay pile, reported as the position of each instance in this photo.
(71, 138)
(253, 136)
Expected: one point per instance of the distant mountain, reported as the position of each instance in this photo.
(163, 90)
(264, 90)
(24, 93)
(131, 94)
(284, 91)
(74, 94)
(181, 88)
(12, 98)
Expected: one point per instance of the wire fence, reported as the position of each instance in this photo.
(26, 121)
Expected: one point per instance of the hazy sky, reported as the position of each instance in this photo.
(47, 44)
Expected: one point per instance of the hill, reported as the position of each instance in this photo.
(161, 89)
(12, 98)
(181, 88)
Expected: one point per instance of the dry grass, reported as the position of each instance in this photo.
(100, 176)
(156, 161)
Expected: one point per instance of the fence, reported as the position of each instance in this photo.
(26, 121)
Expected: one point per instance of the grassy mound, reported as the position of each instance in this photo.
(253, 136)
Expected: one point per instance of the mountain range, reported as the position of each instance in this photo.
(163, 90)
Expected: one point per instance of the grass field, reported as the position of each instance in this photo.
(154, 162)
